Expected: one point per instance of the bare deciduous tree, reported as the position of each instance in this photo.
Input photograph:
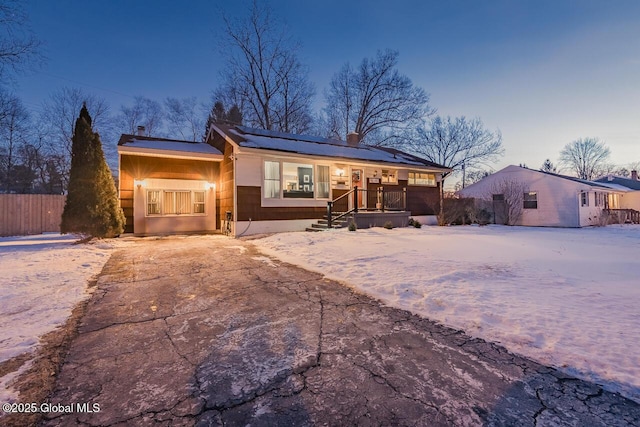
(456, 142)
(14, 128)
(473, 176)
(585, 157)
(510, 205)
(18, 47)
(185, 118)
(144, 112)
(375, 101)
(263, 75)
(59, 113)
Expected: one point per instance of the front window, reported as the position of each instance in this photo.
(324, 182)
(198, 202)
(298, 181)
(177, 202)
(170, 202)
(389, 176)
(271, 180)
(153, 202)
(530, 200)
(421, 178)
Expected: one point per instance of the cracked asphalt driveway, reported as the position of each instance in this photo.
(207, 331)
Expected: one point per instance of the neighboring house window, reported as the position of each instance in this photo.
(161, 202)
(324, 182)
(584, 199)
(421, 178)
(599, 199)
(153, 202)
(389, 176)
(530, 200)
(271, 180)
(298, 181)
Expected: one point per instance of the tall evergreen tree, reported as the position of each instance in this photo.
(92, 207)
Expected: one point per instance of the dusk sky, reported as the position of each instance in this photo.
(543, 72)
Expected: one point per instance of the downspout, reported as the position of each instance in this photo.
(235, 194)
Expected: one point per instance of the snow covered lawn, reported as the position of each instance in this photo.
(568, 298)
(42, 278)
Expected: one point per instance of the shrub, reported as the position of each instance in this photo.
(417, 224)
(388, 225)
(352, 226)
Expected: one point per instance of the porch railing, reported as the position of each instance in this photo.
(623, 216)
(376, 200)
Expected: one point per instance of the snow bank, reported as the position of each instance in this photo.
(42, 278)
(567, 298)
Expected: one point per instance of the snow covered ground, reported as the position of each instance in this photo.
(42, 278)
(568, 298)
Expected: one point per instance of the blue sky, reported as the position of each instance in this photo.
(543, 72)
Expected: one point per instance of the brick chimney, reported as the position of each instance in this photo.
(141, 130)
(634, 175)
(353, 139)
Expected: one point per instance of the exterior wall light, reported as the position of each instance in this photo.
(139, 183)
(210, 186)
(340, 172)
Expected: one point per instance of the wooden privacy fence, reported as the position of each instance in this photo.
(22, 214)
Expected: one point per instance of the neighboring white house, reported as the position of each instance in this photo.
(548, 199)
(631, 186)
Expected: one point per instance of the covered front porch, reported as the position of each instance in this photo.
(366, 208)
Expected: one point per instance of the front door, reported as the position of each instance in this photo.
(357, 180)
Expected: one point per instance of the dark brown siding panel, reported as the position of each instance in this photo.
(249, 200)
(423, 200)
(341, 205)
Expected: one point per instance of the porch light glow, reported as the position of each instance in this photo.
(210, 186)
(340, 172)
(139, 183)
